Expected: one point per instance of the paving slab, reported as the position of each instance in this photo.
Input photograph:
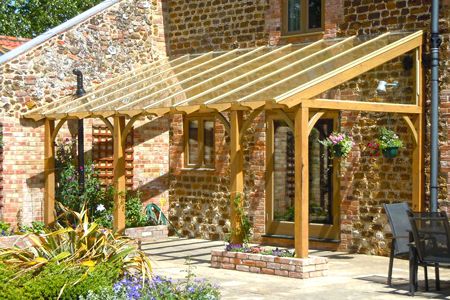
(351, 276)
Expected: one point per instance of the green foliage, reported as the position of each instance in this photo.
(36, 227)
(79, 243)
(134, 213)
(56, 279)
(68, 191)
(388, 139)
(29, 18)
(4, 228)
(244, 227)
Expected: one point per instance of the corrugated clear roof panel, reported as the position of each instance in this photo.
(240, 75)
(319, 65)
(161, 78)
(399, 77)
(182, 88)
(111, 85)
(297, 56)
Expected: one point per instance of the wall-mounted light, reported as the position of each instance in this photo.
(382, 85)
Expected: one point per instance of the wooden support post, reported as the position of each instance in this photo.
(301, 183)
(49, 172)
(237, 174)
(119, 175)
(418, 199)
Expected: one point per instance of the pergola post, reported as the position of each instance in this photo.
(301, 238)
(417, 167)
(119, 175)
(237, 174)
(49, 172)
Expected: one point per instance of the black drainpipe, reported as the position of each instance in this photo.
(80, 92)
(434, 155)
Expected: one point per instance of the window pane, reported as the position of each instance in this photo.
(208, 128)
(320, 174)
(293, 14)
(315, 14)
(283, 172)
(193, 142)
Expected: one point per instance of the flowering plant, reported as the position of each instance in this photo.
(388, 139)
(340, 144)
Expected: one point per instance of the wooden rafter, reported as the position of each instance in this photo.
(158, 82)
(271, 74)
(209, 70)
(357, 67)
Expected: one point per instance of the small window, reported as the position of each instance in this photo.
(200, 150)
(302, 16)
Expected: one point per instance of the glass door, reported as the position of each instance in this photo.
(323, 181)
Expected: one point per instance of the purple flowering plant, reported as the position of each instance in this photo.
(242, 248)
(340, 144)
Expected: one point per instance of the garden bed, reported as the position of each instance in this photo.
(303, 268)
(148, 233)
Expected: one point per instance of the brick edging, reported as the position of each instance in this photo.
(303, 268)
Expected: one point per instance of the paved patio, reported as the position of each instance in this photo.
(350, 276)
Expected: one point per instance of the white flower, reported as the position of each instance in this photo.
(100, 207)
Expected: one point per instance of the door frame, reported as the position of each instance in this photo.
(316, 230)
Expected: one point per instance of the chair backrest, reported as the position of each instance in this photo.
(431, 236)
(397, 214)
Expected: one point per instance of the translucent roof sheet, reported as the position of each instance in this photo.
(250, 77)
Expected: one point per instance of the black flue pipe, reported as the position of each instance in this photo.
(434, 149)
(80, 92)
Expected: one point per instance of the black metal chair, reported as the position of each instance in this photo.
(431, 247)
(397, 214)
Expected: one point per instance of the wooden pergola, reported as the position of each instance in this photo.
(281, 79)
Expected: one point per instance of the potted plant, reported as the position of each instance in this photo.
(339, 143)
(389, 142)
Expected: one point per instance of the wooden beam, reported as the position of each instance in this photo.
(49, 172)
(237, 172)
(224, 122)
(57, 128)
(127, 129)
(351, 70)
(361, 106)
(301, 224)
(314, 120)
(119, 175)
(108, 124)
(283, 115)
(248, 122)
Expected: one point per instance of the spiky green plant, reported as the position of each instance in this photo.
(74, 241)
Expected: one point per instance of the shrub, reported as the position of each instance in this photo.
(57, 280)
(134, 213)
(79, 244)
(5, 229)
(68, 191)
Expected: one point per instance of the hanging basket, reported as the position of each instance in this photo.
(390, 152)
(337, 151)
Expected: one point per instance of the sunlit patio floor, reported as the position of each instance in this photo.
(351, 276)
